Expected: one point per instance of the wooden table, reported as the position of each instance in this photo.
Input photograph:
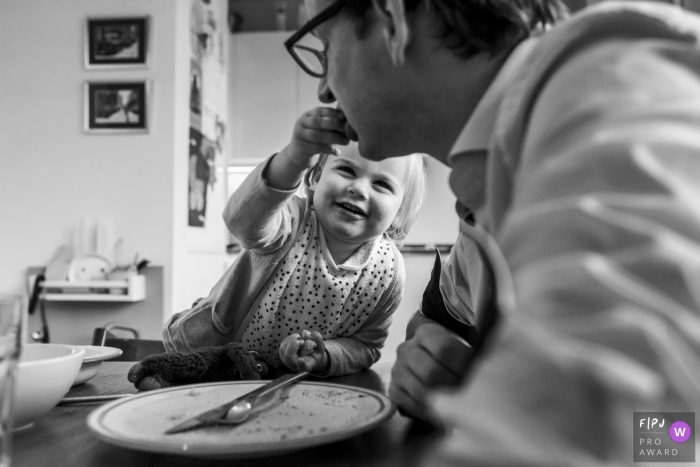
(63, 439)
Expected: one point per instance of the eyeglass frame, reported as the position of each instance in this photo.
(323, 16)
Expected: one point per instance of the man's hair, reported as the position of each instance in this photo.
(413, 197)
(469, 27)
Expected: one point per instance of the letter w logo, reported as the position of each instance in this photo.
(680, 431)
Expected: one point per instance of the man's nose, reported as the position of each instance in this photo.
(325, 94)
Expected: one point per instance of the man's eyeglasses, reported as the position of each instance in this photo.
(303, 47)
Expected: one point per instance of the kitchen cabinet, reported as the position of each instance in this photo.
(267, 94)
(74, 321)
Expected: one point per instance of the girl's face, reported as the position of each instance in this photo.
(356, 199)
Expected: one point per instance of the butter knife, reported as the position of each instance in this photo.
(243, 405)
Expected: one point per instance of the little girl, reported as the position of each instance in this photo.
(320, 276)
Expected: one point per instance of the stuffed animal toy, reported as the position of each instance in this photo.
(205, 365)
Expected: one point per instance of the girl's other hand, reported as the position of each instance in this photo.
(305, 352)
(289, 351)
(316, 358)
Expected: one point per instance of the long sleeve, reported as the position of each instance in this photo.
(261, 217)
(362, 349)
(603, 242)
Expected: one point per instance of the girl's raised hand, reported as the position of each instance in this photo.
(315, 132)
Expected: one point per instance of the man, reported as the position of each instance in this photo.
(578, 151)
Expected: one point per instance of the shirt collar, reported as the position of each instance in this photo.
(477, 133)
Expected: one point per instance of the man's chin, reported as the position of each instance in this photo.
(374, 153)
(351, 133)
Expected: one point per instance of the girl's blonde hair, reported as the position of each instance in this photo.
(413, 197)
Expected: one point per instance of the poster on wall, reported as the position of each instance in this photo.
(207, 110)
(195, 94)
(201, 167)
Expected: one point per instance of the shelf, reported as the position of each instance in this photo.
(131, 289)
(427, 248)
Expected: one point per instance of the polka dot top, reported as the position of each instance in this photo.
(308, 291)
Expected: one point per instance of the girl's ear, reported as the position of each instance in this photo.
(392, 18)
(395, 224)
(393, 228)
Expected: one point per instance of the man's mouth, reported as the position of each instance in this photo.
(352, 209)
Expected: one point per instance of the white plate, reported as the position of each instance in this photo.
(92, 360)
(300, 416)
(98, 353)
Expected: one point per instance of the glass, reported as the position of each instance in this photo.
(308, 51)
(11, 309)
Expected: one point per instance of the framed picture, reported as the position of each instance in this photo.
(117, 107)
(116, 42)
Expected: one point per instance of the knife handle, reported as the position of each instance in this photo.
(275, 384)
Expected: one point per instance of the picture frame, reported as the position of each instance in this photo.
(117, 42)
(117, 106)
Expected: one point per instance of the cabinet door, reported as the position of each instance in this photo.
(263, 90)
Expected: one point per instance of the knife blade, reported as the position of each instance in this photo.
(211, 415)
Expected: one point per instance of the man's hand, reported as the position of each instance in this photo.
(434, 357)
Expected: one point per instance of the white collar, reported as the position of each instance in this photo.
(477, 133)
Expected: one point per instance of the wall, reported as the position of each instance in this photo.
(52, 173)
(266, 96)
(202, 260)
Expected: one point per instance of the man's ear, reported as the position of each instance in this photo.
(392, 17)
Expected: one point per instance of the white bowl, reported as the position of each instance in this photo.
(45, 373)
(92, 360)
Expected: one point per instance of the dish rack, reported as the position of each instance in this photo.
(130, 289)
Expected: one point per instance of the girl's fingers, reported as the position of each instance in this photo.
(290, 346)
(334, 121)
(306, 363)
(325, 112)
(318, 141)
(307, 348)
(316, 337)
(322, 135)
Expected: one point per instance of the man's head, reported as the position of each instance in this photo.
(408, 73)
(469, 27)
